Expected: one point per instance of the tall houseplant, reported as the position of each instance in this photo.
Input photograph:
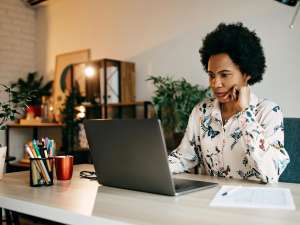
(174, 100)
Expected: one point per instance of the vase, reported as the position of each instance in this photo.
(34, 110)
(172, 140)
(2, 160)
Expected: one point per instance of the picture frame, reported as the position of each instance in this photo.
(62, 61)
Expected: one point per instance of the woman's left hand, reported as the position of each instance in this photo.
(240, 97)
(243, 99)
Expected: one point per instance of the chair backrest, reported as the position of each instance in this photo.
(292, 145)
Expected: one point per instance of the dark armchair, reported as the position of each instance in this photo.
(292, 145)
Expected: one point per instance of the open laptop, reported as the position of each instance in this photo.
(131, 154)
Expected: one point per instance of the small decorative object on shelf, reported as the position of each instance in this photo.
(2, 160)
(83, 143)
(47, 112)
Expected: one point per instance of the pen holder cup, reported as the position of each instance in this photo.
(41, 171)
(64, 167)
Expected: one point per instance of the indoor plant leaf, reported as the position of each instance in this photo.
(174, 100)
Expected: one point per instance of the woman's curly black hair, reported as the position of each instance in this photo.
(242, 45)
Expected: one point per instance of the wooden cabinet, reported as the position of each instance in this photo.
(111, 80)
(104, 82)
(128, 93)
(138, 110)
(94, 88)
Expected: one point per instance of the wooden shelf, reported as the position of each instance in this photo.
(17, 166)
(140, 109)
(140, 103)
(13, 125)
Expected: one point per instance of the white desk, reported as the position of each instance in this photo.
(82, 201)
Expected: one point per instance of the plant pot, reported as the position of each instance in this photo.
(34, 110)
(2, 160)
(177, 138)
(172, 140)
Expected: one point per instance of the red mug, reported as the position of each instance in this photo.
(64, 167)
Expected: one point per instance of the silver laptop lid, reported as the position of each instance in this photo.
(130, 154)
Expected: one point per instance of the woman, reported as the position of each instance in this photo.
(235, 134)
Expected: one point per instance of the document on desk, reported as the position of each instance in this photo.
(254, 197)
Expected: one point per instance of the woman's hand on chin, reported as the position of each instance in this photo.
(239, 98)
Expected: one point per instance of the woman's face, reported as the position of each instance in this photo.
(223, 76)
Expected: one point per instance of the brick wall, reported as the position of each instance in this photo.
(17, 52)
(17, 40)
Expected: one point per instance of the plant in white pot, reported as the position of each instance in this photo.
(10, 108)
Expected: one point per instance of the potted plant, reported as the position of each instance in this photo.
(13, 104)
(174, 100)
(10, 107)
(34, 84)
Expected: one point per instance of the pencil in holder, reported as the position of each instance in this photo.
(41, 171)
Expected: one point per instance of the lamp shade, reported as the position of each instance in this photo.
(288, 2)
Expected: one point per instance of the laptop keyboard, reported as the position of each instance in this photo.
(182, 184)
(185, 184)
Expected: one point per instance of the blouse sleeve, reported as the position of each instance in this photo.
(185, 156)
(265, 143)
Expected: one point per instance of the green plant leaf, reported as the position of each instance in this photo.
(32, 87)
(174, 100)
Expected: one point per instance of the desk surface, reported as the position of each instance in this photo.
(82, 201)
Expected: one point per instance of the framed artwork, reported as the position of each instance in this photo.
(62, 61)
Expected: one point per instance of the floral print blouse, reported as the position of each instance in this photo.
(248, 146)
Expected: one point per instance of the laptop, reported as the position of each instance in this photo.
(131, 154)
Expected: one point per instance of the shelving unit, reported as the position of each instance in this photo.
(17, 166)
(109, 81)
(141, 109)
(106, 88)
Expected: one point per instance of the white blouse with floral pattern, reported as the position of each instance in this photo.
(248, 146)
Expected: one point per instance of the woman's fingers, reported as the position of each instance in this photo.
(231, 94)
(235, 93)
(228, 95)
(244, 97)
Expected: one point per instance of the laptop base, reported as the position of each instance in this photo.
(183, 186)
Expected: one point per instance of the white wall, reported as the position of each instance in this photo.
(163, 37)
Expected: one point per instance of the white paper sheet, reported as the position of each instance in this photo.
(254, 197)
